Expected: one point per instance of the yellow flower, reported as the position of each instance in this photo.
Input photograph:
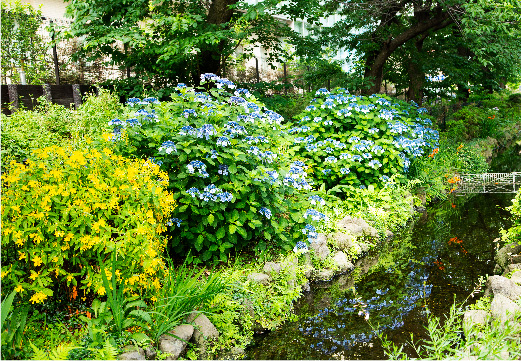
(34, 275)
(38, 297)
(69, 277)
(153, 299)
(19, 288)
(22, 255)
(59, 233)
(101, 291)
(37, 261)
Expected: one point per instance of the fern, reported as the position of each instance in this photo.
(38, 354)
(108, 352)
(61, 352)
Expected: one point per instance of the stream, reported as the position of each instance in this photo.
(435, 261)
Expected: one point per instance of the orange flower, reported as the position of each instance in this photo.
(453, 205)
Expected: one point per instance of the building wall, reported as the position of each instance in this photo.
(50, 8)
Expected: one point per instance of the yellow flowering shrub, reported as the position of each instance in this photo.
(63, 208)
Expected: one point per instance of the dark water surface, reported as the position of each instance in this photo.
(437, 260)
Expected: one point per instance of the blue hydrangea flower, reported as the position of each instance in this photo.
(252, 107)
(151, 100)
(223, 169)
(168, 147)
(242, 91)
(315, 215)
(236, 100)
(331, 159)
(188, 112)
(171, 222)
(314, 199)
(206, 131)
(328, 104)
(322, 91)
(209, 76)
(345, 171)
(326, 171)
(187, 130)
(133, 101)
(310, 108)
(300, 247)
(193, 192)
(265, 212)
(223, 141)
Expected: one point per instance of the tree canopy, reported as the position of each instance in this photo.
(171, 41)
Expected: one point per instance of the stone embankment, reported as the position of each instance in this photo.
(505, 290)
(353, 236)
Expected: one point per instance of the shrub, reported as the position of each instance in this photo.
(220, 150)
(52, 124)
(438, 171)
(63, 208)
(360, 141)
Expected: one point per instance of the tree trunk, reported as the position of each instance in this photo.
(416, 74)
(209, 59)
(375, 62)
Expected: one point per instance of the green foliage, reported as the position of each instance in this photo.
(439, 173)
(51, 124)
(513, 234)
(22, 48)
(65, 208)
(246, 306)
(446, 340)
(126, 311)
(358, 142)
(165, 43)
(184, 290)
(288, 106)
(14, 318)
(219, 152)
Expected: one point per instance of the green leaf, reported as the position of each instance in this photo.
(220, 233)
(211, 219)
(232, 228)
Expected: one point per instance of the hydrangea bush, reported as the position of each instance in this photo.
(229, 169)
(62, 209)
(360, 141)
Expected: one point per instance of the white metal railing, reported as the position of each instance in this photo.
(489, 183)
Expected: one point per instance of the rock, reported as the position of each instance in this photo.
(325, 274)
(356, 227)
(308, 271)
(259, 278)
(150, 353)
(204, 332)
(176, 345)
(516, 258)
(341, 261)
(342, 241)
(503, 256)
(479, 317)
(322, 252)
(271, 267)
(502, 285)
(305, 287)
(512, 267)
(388, 234)
(132, 353)
(503, 308)
(516, 277)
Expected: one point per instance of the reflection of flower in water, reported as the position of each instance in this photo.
(383, 307)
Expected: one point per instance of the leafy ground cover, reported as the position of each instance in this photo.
(242, 180)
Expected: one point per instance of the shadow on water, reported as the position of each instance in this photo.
(434, 262)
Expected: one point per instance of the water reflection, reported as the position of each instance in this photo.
(437, 260)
